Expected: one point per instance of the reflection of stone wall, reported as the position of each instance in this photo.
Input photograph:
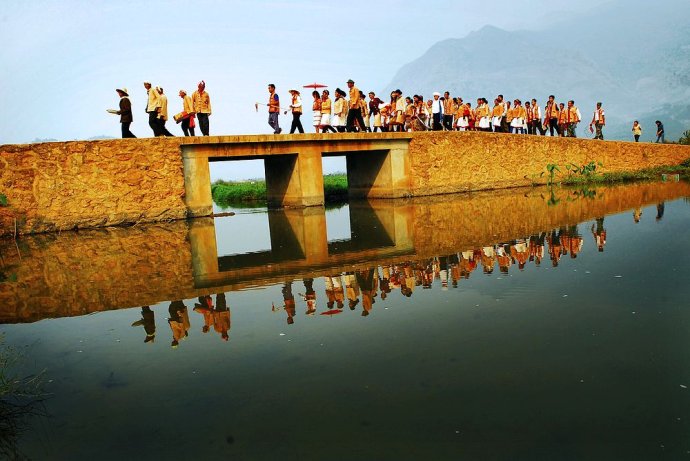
(443, 226)
(74, 273)
(63, 185)
(457, 162)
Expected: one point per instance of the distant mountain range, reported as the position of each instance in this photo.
(631, 55)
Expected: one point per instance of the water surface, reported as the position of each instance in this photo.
(529, 324)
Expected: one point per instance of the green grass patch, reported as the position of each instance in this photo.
(252, 193)
(648, 174)
(3, 200)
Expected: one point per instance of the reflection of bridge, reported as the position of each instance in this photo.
(78, 273)
(299, 244)
(377, 166)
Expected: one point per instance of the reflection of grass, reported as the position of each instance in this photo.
(249, 194)
(19, 399)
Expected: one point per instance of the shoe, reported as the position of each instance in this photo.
(138, 323)
(280, 130)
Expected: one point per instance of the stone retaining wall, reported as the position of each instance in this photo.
(82, 184)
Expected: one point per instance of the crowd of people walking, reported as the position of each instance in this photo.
(351, 112)
(195, 107)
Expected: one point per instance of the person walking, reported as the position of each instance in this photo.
(660, 132)
(552, 116)
(436, 112)
(125, 112)
(152, 108)
(497, 116)
(326, 105)
(202, 107)
(449, 109)
(574, 118)
(562, 120)
(375, 111)
(637, 130)
(273, 109)
(536, 119)
(598, 120)
(340, 111)
(316, 110)
(188, 109)
(517, 123)
(296, 107)
(355, 109)
(162, 113)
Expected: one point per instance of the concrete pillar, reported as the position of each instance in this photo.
(299, 232)
(197, 186)
(379, 174)
(295, 180)
(202, 239)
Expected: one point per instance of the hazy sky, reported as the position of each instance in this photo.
(62, 60)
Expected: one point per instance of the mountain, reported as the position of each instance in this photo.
(631, 55)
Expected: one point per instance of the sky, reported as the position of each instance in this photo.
(62, 60)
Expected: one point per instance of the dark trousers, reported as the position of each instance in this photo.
(162, 129)
(637, 138)
(125, 130)
(153, 123)
(186, 129)
(296, 123)
(203, 123)
(448, 122)
(504, 125)
(436, 122)
(537, 128)
(352, 115)
(553, 125)
(273, 122)
(530, 127)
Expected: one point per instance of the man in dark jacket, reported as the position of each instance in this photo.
(125, 112)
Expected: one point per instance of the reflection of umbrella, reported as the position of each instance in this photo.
(315, 85)
(331, 312)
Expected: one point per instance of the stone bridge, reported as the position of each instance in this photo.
(85, 184)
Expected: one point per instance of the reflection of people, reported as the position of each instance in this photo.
(204, 307)
(309, 296)
(352, 289)
(289, 302)
(367, 282)
(660, 210)
(637, 214)
(599, 234)
(334, 291)
(148, 322)
(221, 317)
(178, 322)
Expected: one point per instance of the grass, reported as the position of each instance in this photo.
(20, 398)
(3, 200)
(648, 174)
(253, 192)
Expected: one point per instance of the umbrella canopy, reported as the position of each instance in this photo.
(331, 312)
(315, 85)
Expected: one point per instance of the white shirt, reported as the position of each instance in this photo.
(436, 106)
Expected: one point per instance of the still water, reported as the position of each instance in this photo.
(527, 324)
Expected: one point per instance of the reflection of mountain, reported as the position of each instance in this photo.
(632, 55)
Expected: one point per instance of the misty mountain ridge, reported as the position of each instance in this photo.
(637, 63)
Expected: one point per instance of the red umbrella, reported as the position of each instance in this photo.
(315, 85)
(331, 312)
